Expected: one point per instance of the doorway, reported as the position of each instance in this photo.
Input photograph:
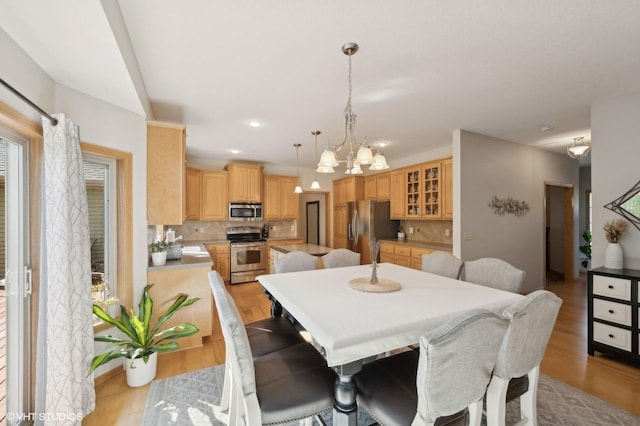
(558, 233)
(313, 222)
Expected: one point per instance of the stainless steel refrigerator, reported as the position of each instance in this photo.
(369, 219)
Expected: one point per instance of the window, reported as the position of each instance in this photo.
(108, 177)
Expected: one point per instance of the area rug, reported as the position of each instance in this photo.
(193, 398)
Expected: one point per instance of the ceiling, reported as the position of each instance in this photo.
(502, 68)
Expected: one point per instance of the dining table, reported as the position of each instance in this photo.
(349, 326)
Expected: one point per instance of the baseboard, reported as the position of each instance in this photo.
(108, 375)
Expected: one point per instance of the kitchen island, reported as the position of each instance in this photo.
(278, 251)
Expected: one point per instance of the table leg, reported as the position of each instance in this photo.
(345, 410)
(276, 307)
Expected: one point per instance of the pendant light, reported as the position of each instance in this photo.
(579, 148)
(298, 189)
(315, 184)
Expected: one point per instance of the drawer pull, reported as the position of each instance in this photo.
(610, 286)
(610, 311)
(611, 335)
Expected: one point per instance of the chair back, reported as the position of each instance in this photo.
(531, 323)
(455, 364)
(442, 263)
(341, 257)
(296, 261)
(496, 273)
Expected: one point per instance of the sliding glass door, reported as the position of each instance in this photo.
(17, 276)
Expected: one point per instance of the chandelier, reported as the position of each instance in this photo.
(298, 188)
(579, 148)
(364, 155)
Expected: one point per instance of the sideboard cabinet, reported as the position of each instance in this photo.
(613, 311)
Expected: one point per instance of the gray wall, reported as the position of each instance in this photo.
(486, 166)
(615, 130)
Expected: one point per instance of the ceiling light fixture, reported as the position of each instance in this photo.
(298, 189)
(579, 148)
(315, 184)
(328, 159)
(254, 123)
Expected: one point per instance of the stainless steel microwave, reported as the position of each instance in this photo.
(245, 211)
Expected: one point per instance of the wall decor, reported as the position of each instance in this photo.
(502, 206)
(628, 205)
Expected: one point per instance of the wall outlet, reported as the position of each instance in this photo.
(446, 232)
(411, 230)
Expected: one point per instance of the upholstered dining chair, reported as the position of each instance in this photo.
(496, 273)
(283, 386)
(442, 263)
(442, 385)
(517, 367)
(341, 257)
(295, 261)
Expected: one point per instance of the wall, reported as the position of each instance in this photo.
(614, 170)
(486, 166)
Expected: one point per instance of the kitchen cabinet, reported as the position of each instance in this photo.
(613, 308)
(194, 281)
(274, 254)
(193, 194)
(280, 200)
(377, 187)
(220, 255)
(166, 173)
(214, 199)
(245, 182)
(348, 189)
(403, 254)
(397, 195)
(447, 188)
(425, 190)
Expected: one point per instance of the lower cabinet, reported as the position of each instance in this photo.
(403, 254)
(274, 254)
(614, 311)
(220, 255)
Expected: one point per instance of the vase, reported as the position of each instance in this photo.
(613, 256)
(139, 373)
(159, 258)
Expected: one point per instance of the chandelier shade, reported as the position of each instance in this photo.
(579, 148)
(298, 188)
(357, 154)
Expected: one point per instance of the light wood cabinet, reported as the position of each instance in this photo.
(280, 200)
(193, 194)
(166, 173)
(447, 189)
(377, 187)
(403, 254)
(194, 281)
(245, 182)
(220, 255)
(340, 219)
(416, 257)
(348, 189)
(214, 200)
(397, 196)
(274, 254)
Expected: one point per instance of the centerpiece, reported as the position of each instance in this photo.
(613, 231)
(374, 284)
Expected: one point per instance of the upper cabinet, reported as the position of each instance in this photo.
(245, 182)
(377, 187)
(166, 181)
(428, 191)
(397, 195)
(214, 200)
(348, 189)
(193, 194)
(447, 190)
(280, 200)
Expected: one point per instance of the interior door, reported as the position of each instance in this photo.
(17, 278)
(313, 222)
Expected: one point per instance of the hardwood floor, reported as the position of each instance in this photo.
(566, 359)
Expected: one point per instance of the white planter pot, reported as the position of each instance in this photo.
(613, 256)
(401, 236)
(159, 258)
(139, 373)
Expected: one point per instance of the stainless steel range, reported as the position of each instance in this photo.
(248, 253)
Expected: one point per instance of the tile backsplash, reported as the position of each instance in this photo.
(217, 230)
(432, 231)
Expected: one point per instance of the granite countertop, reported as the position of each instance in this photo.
(312, 249)
(422, 244)
(276, 239)
(191, 258)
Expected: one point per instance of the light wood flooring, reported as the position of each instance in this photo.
(566, 359)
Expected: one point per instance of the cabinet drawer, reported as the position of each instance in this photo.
(612, 336)
(386, 258)
(403, 261)
(417, 253)
(612, 311)
(386, 248)
(612, 287)
(403, 251)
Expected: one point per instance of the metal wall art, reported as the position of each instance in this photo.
(628, 205)
(502, 206)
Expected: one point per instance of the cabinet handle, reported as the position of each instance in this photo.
(610, 311)
(611, 336)
(610, 286)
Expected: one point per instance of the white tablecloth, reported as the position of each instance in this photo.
(351, 325)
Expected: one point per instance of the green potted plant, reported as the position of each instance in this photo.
(586, 248)
(142, 341)
(159, 251)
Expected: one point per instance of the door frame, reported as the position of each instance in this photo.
(568, 237)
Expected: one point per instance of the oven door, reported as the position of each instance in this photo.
(248, 257)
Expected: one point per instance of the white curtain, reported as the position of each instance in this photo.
(64, 393)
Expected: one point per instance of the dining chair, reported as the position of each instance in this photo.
(295, 261)
(517, 369)
(442, 263)
(341, 257)
(283, 386)
(443, 384)
(496, 273)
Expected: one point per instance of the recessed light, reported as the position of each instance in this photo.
(254, 123)
(234, 151)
